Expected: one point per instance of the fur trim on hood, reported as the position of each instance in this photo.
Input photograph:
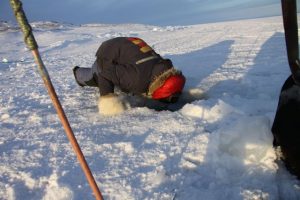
(159, 80)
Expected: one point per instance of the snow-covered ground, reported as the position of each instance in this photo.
(215, 148)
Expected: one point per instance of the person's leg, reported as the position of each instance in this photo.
(84, 76)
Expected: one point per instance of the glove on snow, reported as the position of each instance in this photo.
(110, 104)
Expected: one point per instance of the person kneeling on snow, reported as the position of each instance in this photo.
(133, 66)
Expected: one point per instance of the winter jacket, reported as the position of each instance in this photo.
(129, 63)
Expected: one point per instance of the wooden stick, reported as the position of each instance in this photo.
(32, 45)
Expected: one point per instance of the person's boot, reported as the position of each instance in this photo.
(74, 72)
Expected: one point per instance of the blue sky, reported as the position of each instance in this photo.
(155, 12)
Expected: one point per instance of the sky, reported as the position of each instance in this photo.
(154, 12)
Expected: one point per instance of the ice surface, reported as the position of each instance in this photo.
(219, 147)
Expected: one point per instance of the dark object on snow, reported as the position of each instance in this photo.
(286, 126)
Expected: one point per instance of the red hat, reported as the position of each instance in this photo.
(174, 84)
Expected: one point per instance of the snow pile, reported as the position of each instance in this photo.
(219, 147)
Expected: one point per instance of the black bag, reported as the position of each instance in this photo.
(286, 126)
